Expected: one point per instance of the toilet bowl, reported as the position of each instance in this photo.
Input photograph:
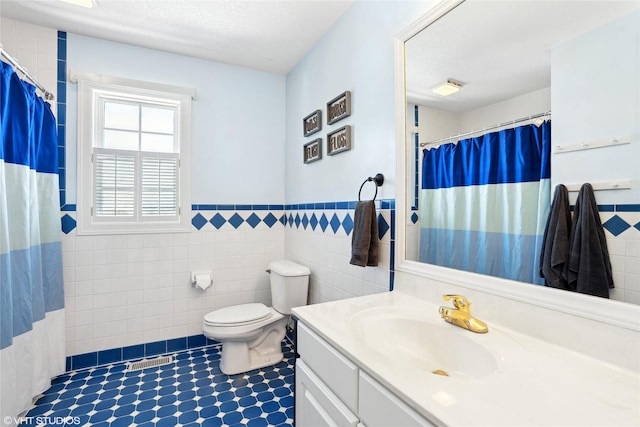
(252, 334)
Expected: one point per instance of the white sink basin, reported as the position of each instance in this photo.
(426, 342)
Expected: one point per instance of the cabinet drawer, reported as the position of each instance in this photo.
(316, 405)
(379, 407)
(335, 370)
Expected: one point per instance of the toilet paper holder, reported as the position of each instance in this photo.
(201, 279)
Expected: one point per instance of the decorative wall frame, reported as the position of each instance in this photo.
(312, 151)
(312, 123)
(339, 140)
(339, 107)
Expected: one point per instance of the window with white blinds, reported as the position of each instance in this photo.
(115, 184)
(134, 144)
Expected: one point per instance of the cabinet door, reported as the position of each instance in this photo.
(333, 369)
(378, 407)
(316, 405)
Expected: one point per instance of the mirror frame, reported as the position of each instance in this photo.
(611, 312)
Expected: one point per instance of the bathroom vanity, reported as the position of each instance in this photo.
(390, 360)
(330, 389)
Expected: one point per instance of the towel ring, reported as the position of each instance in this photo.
(378, 180)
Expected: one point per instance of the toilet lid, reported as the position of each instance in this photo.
(238, 314)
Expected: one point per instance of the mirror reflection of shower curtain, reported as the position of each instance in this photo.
(32, 321)
(484, 203)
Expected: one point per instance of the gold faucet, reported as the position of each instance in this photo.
(461, 316)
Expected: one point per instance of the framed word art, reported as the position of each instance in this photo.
(312, 123)
(339, 107)
(339, 140)
(313, 150)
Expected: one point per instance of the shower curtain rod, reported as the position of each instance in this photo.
(47, 95)
(512, 122)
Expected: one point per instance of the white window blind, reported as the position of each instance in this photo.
(159, 185)
(114, 182)
(136, 140)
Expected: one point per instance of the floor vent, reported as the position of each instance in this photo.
(150, 363)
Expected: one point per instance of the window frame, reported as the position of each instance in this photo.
(92, 96)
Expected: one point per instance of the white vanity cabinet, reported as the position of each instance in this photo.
(378, 407)
(333, 391)
(316, 404)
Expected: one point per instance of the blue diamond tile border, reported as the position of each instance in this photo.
(236, 220)
(347, 224)
(335, 223)
(68, 224)
(324, 216)
(616, 225)
(324, 222)
(198, 221)
(383, 226)
(270, 220)
(253, 220)
(217, 221)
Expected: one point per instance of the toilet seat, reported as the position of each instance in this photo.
(238, 315)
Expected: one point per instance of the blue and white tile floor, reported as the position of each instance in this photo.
(191, 391)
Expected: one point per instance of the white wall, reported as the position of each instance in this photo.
(356, 55)
(35, 48)
(596, 95)
(238, 117)
(435, 124)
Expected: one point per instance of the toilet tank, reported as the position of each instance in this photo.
(289, 285)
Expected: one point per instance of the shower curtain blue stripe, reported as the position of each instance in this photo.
(47, 295)
(485, 201)
(521, 154)
(32, 344)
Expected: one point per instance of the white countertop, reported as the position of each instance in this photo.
(547, 384)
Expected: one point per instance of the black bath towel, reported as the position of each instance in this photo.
(555, 243)
(589, 267)
(364, 240)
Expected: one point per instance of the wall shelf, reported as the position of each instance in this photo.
(623, 184)
(600, 143)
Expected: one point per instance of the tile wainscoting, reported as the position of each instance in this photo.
(126, 290)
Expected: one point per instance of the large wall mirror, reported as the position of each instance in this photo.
(572, 64)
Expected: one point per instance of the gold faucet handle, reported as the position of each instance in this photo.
(459, 301)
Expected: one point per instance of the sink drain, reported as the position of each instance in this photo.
(440, 372)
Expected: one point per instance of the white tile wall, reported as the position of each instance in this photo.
(35, 48)
(624, 251)
(327, 254)
(134, 289)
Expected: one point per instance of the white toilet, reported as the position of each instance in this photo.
(251, 334)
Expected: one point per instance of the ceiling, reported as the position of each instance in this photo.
(497, 49)
(267, 35)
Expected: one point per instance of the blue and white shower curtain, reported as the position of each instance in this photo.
(485, 201)
(32, 328)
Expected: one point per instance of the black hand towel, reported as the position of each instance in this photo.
(589, 267)
(364, 240)
(555, 243)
